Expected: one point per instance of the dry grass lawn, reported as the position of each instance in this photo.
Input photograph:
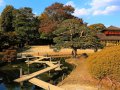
(44, 50)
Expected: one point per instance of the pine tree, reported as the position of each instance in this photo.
(26, 24)
(7, 19)
(73, 33)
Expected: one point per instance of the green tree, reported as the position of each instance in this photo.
(26, 24)
(52, 16)
(1, 40)
(0, 24)
(7, 19)
(95, 29)
(73, 33)
(8, 39)
(18, 26)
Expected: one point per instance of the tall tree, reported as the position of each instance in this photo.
(73, 33)
(8, 37)
(52, 16)
(26, 24)
(7, 19)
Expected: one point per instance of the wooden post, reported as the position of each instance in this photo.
(59, 64)
(20, 72)
(50, 59)
(21, 83)
(63, 76)
(48, 88)
(28, 65)
(49, 73)
(21, 55)
(44, 65)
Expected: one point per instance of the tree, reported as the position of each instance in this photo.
(0, 24)
(97, 28)
(1, 40)
(7, 19)
(52, 16)
(26, 25)
(73, 33)
(8, 39)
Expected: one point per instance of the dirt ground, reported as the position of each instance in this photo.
(79, 79)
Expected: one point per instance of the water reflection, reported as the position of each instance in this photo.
(2, 86)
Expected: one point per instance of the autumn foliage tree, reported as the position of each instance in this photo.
(52, 16)
(97, 28)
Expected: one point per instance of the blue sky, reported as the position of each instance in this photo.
(92, 11)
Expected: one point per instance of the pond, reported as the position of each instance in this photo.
(11, 71)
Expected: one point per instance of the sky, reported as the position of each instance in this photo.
(91, 11)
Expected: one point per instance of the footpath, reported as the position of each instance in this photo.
(79, 79)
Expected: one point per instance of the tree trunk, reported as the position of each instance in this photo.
(95, 49)
(74, 52)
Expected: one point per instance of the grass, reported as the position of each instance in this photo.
(46, 50)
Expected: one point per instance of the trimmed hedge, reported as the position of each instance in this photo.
(105, 64)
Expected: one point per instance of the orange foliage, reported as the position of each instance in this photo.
(97, 27)
(53, 15)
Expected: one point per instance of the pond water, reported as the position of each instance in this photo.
(11, 71)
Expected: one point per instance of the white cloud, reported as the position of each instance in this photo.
(107, 10)
(96, 4)
(35, 13)
(70, 3)
(80, 12)
(97, 7)
(1, 2)
(77, 11)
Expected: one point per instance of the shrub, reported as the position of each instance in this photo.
(9, 55)
(84, 55)
(105, 64)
